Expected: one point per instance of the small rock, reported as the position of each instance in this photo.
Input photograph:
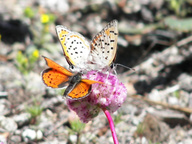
(135, 121)
(18, 132)
(155, 95)
(56, 5)
(146, 14)
(187, 141)
(3, 94)
(8, 124)
(15, 139)
(39, 135)
(3, 140)
(185, 99)
(22, 119)
(173, 100)
(29, 134)
(144, 140)
(5, 107)
(73, 138)
(185, 82)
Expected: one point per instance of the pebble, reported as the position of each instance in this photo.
(5, 106)
(16, 139)
(22, 118)
(185, 82)
(29, 134)
(8, 124)
(187, 141)
(39, 135)
(3, 140)
(56, 5)
(173, 100)
(73, 138)
(3, 94)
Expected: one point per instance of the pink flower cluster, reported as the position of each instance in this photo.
(109, 95)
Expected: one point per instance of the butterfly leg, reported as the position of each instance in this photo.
(114, 67)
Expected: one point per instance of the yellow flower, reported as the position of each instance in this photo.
(36, 53)
(44, 18)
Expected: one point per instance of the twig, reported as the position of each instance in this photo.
(184, 41)
(185, 110)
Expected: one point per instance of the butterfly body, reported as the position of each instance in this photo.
(57, 76)
(85, 56)
(75, 80)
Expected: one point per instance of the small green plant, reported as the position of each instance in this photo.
(25, 61)
(117, 118)
(150, 142)
(35, 110)
(29, 12)
(41, 25)
(76, 127)
(176, 94)
(178, 6)
(140, 129)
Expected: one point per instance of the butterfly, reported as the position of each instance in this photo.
(84, 56)
(57, 76)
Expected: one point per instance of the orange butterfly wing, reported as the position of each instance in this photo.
(53, 78)
(57, 67)
(56, 76)
(82, 89)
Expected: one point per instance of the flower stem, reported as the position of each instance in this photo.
(111, 126)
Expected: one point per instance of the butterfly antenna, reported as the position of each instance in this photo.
(117, 64)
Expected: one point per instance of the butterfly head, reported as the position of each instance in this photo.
(76, 78)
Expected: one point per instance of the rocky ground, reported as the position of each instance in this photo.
(154, 39)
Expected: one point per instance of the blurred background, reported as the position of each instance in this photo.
(154, 38)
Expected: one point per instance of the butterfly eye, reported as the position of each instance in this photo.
(113, 66)
(71, 67)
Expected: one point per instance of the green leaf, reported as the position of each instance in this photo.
(29, 12)
(182, 25)
(77, 126)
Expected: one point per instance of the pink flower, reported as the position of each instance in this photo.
(109, 96)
